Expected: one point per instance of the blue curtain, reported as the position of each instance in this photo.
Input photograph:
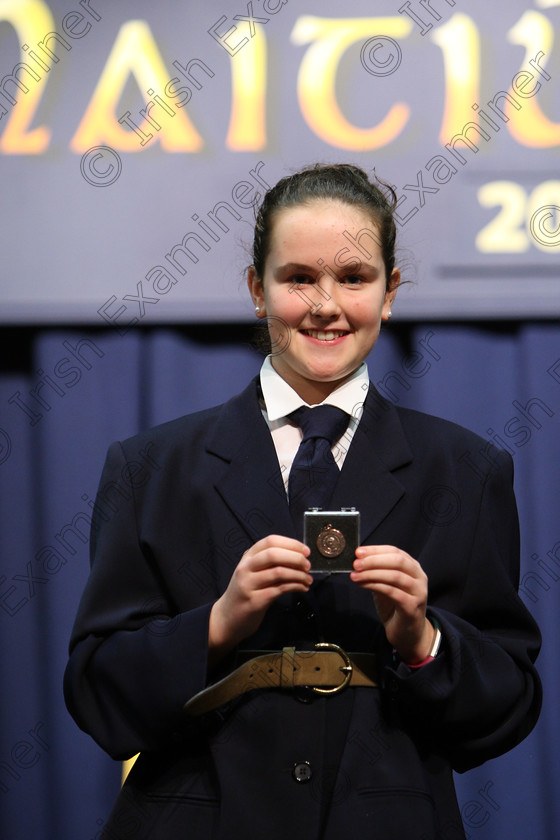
(64, 396)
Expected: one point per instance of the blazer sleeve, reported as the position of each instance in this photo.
(481, 695)
(134, 660)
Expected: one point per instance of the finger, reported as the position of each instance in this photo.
(378, 548)
(388, 557)
(392, 577)
(272, 557)
(278, 578)
(383, 552)
(399, 598)
(262, 598)
(409, 580)
(401, 588)
(279, 541)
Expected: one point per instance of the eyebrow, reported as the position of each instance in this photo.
(290, 267)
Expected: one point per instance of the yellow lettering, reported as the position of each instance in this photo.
(32, 21)
(329, 38)
(460, 44)
(529, 125)
(134, 53)
(505, 233)
(247, 124)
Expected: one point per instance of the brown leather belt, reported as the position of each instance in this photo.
(325, 670)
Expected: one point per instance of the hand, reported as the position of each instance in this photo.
(400, 593)
(269, 568)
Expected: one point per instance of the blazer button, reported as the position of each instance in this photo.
(302, 771)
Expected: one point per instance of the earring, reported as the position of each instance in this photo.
(389, 313)
(257, 309)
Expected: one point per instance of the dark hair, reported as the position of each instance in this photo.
(337, 182)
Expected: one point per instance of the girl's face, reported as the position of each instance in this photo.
(324, 298)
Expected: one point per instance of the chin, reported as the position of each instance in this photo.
(328, 374)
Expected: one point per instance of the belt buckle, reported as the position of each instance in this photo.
(346, 668)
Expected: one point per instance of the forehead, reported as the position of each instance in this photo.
(320, 229)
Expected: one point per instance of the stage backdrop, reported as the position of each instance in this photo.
(136, 138)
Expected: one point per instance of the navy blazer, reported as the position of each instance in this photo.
(177, 506)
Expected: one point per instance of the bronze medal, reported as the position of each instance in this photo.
(330, 541)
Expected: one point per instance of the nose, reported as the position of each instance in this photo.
(326, 294)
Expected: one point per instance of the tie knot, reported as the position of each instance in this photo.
(321, 421)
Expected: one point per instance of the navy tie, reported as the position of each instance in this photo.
(314, 473)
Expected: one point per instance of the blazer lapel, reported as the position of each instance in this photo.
(378, 447)
(252, 486)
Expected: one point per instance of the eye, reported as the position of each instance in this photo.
(301, 279)
(352, 280)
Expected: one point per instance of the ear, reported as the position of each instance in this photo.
(390, 294)
(255, 285)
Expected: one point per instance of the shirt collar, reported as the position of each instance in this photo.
(281, 399)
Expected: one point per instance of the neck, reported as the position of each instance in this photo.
(314, 392)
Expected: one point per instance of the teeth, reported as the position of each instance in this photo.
(323, 336)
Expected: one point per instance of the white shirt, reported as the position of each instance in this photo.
(281, 399)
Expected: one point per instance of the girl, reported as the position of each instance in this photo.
(269, 701)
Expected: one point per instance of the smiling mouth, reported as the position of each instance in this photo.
(325, 335)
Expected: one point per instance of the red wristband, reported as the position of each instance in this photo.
(421, 664)
(436, 641)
